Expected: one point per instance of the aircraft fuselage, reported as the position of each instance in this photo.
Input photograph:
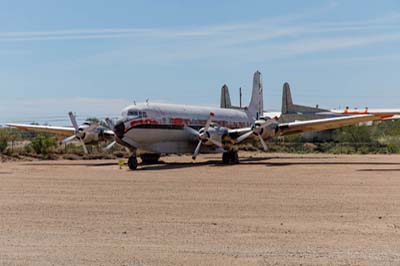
(159, 128)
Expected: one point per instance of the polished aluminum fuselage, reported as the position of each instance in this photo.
(160, 127)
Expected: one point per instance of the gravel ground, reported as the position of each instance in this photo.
(272, 209)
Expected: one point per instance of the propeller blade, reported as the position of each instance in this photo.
(109, 146)
(84, 146)
(265, 147)
(244, 136)
(110, 123)
(196, 151)
(73, 121)
(69, 139)
(209, 121)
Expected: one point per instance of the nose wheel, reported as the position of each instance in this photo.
(230, 157)
(132, 162)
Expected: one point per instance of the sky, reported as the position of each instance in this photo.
(94, 57)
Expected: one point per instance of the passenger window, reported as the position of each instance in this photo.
(132, 113)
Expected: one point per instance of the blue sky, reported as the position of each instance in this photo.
(95, 57)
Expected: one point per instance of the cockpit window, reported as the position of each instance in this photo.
(133, 113)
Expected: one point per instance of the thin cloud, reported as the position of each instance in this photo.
(29, 110)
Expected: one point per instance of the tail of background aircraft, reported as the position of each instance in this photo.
(287, 102)
(225, 98)
(256, 106)
(289, 108)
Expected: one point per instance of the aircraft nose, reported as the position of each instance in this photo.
(119, 129)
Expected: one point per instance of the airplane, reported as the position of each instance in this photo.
(87, 133)
(225, 102)
(293, 112)
(160, 129)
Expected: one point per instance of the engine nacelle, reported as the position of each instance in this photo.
(94, 136)
(215, 133)
(266, 128)
(91, 137)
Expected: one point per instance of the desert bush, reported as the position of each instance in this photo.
(310, 147)
(42, 144)
(3, 140)
(98, 156)
(3, 145)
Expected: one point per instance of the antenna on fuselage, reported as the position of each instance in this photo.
(240, 97)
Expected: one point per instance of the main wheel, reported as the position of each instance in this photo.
(132, 163)
(235, 158)
(225, 158)
(230, 157)
(151, 158)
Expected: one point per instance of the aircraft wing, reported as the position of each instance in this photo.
(63, 131)
(324, 124)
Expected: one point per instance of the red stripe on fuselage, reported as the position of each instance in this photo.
(143, 122)
(189, 122)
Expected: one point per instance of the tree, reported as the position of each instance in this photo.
(355, 134)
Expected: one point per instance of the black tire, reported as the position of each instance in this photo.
(150, 158)
(230, 157)
(235, 158)
(225, 158)
(132, 163)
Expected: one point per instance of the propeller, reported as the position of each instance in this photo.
(109, 146)
(110, 123)
(203, 135)
(78, 134)
(257, 129)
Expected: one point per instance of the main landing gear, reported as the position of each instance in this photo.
(230, 157)
(151, 158)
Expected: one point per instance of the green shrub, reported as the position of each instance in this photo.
(42, 144)
(3, 145)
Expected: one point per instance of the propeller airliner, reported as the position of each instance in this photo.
(156, 129)
(150, 130)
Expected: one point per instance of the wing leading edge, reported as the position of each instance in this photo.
(324, 124)
(63, 131)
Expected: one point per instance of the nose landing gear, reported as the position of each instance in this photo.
(146, 159)
(132, 162)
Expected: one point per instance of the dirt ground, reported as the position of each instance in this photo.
(272, 209)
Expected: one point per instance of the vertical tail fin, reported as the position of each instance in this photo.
(287, 102)
(225, 98)
(256, 106)
(300, 112)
